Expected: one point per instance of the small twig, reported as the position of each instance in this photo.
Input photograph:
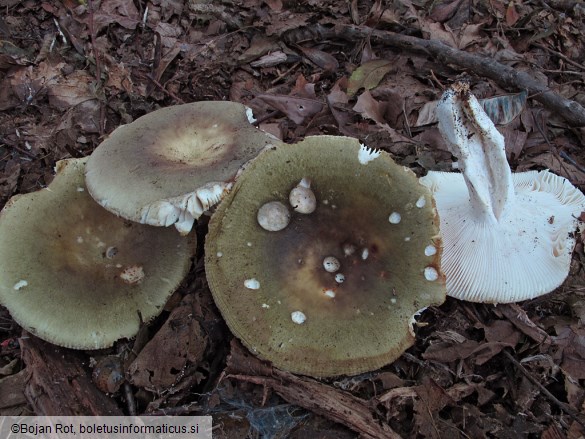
(130, 402)
(563, 406)
(560, 55)
(551, 146)
(23, 151)
(505, 76)
(282, 75)
(98, 66)
(164, 90)
(266, 117)
(572, 161)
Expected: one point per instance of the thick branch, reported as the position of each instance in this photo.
(505, 76)
(320, 398)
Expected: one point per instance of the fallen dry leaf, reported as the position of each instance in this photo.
(368, 75)
(180, 341)
(443, 11)
(296, 109)
(322, 59)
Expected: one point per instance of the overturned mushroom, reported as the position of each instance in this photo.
(171, 165)
(507, 237)
(78, 276)
(319, 307)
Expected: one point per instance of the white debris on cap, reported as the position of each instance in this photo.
(394, 218)
(252, 284)
(331, 264)
(421, 202)
(366, 155)
(430, 250)
(20, 284)
(273, 216)
(301, 197)
(133, 274)
(298, 317)
(431, 274)
(499, 243)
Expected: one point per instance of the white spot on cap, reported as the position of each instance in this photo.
(298, 317)
(421, 202)
(407, 238)
(430, 250)
(132, 275)
(80, 240)
(365, 254)
(219, 254)
(330, 293)
(348, 249)
(273, 216)
(265, 305)
(331, 264)
(339, 278)
(252, 284)
(80, 189)
(249, 244)
(20, 284)
(394, 218)
(393, 300)
(111, 252)
(366, 155)
(302, 199)
(431, 274)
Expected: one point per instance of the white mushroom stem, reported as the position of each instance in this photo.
(474, 140)
(506, 237)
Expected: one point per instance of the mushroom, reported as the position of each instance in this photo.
(507, 237)
(60, 277)
(171, 165)
(306, 316)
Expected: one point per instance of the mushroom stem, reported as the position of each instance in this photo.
(472, 137)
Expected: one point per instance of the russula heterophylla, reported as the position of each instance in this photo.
(171, 165)
(78, 276)
(274, 289)
(507, 236)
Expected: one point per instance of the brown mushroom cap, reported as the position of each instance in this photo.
(76, 275)
(272, 287)
(169, 166)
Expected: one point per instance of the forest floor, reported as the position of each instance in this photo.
(71, 71)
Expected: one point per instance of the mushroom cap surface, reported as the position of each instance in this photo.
(524, 255)
(63, 261)
(298, 316)
(169, 166)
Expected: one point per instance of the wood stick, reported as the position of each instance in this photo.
(503, 75)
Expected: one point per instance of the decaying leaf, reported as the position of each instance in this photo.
(504, 109)
(322, 59)
(368, 75)
(180, 341)
(296, 109)
(501, 109)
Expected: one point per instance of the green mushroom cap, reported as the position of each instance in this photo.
(78, 276)
(283, 293)
(169, 166)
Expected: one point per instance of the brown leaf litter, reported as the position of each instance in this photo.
(71, 72)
